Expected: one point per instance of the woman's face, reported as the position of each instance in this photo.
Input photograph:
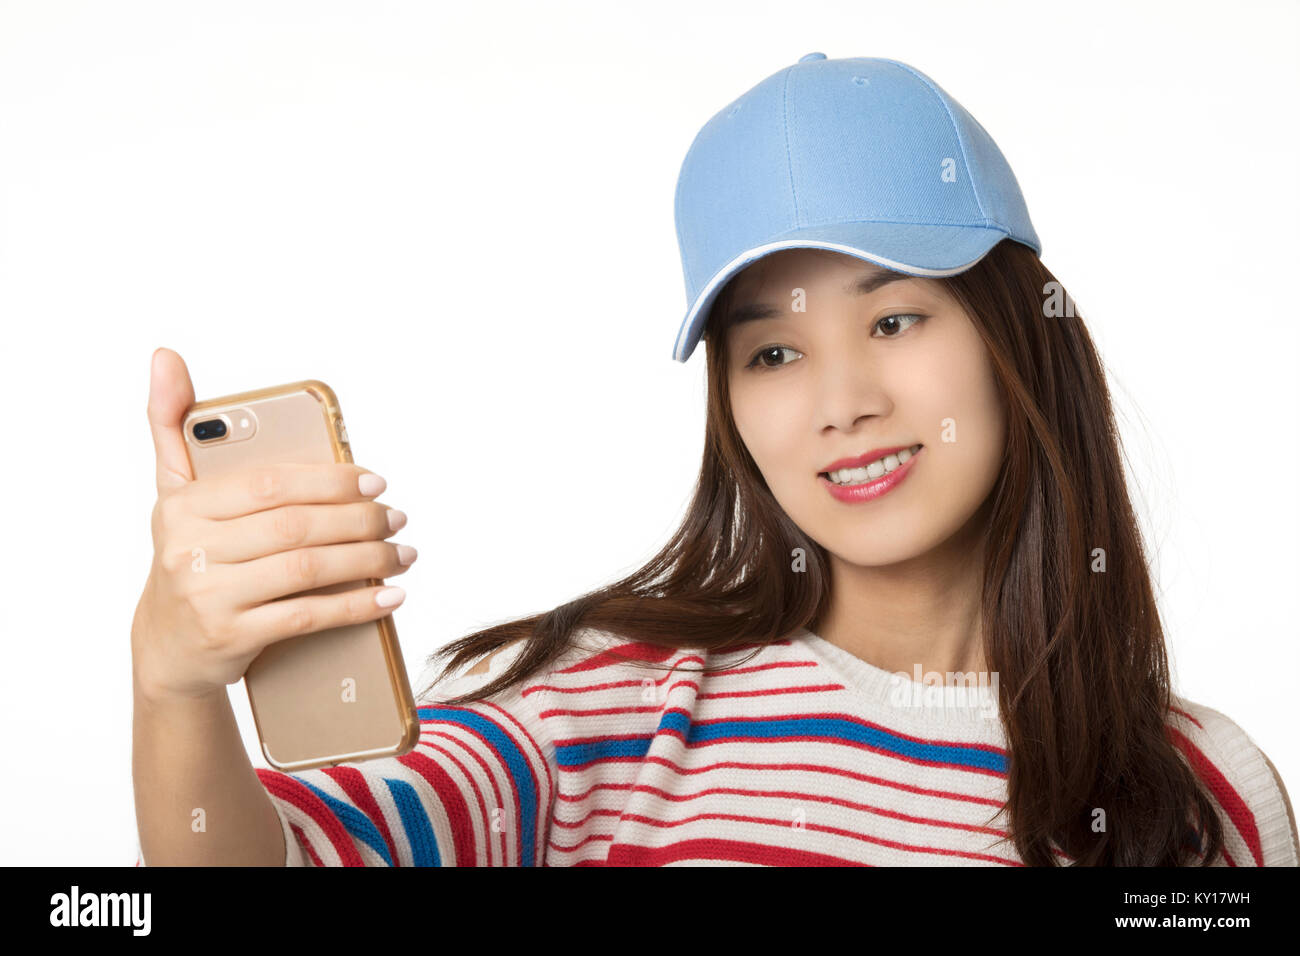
(822, 378)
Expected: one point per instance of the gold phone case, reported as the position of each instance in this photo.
(340, 694)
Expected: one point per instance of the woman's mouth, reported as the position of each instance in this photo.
(872, 480)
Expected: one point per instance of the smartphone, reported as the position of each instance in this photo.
(338, 695)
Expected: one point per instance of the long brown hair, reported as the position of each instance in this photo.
(1084, 688)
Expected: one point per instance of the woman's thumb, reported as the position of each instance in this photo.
(170, 395)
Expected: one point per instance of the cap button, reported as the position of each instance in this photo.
(812, 56)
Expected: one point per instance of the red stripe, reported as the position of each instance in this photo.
(294, 791)
(655, 653)
(816, 768)
(501, 768)
(538, 755)
(489, 771)
(478, 798)
(1240, 814)
(754, 668)
(544, 800)
(659, 707)
(353, 783)
(1188, 716)
(624, 854)
(711, 849)
(770, 691)
(801, 796)
(305, 844)
(504, 767)
(759, 853)
(591, 838)
(606, 711)
(452, 799)
(614, 685)
(822, 828)
(574, 824)
(619, 653)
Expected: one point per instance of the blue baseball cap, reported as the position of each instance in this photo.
(863, 156)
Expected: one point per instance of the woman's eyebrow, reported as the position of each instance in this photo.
(864, 284)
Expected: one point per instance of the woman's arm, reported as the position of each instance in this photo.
(197, 800)
(270, 535)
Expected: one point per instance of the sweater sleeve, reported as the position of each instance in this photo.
(476, 790)
(1257, 827)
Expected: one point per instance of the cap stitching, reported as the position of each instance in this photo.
(785, 126)
(961, 145)
(970, 224)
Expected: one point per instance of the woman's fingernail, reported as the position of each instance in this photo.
(389, 597)
(406, 554)
(371, 485)
(396, 519)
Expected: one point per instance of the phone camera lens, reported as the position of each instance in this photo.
(212, 428)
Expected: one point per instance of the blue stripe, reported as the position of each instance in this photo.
(358, 825)
(828, 728)
(415, 821)
(515, 761)
(575, 755)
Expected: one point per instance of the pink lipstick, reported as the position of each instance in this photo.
(871, 488)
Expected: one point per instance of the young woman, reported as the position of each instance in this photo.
(907, 618)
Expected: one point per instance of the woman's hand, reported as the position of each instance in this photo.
(229, 548)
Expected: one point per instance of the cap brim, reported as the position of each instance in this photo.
(927, 251)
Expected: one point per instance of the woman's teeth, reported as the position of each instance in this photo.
(882, 466)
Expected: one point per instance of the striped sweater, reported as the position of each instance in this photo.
(804, 755)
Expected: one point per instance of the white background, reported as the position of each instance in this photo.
(460, 216)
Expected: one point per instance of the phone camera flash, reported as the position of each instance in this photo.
(243, 423)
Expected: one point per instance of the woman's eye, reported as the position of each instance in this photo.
(893, 323)
(769, 351)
